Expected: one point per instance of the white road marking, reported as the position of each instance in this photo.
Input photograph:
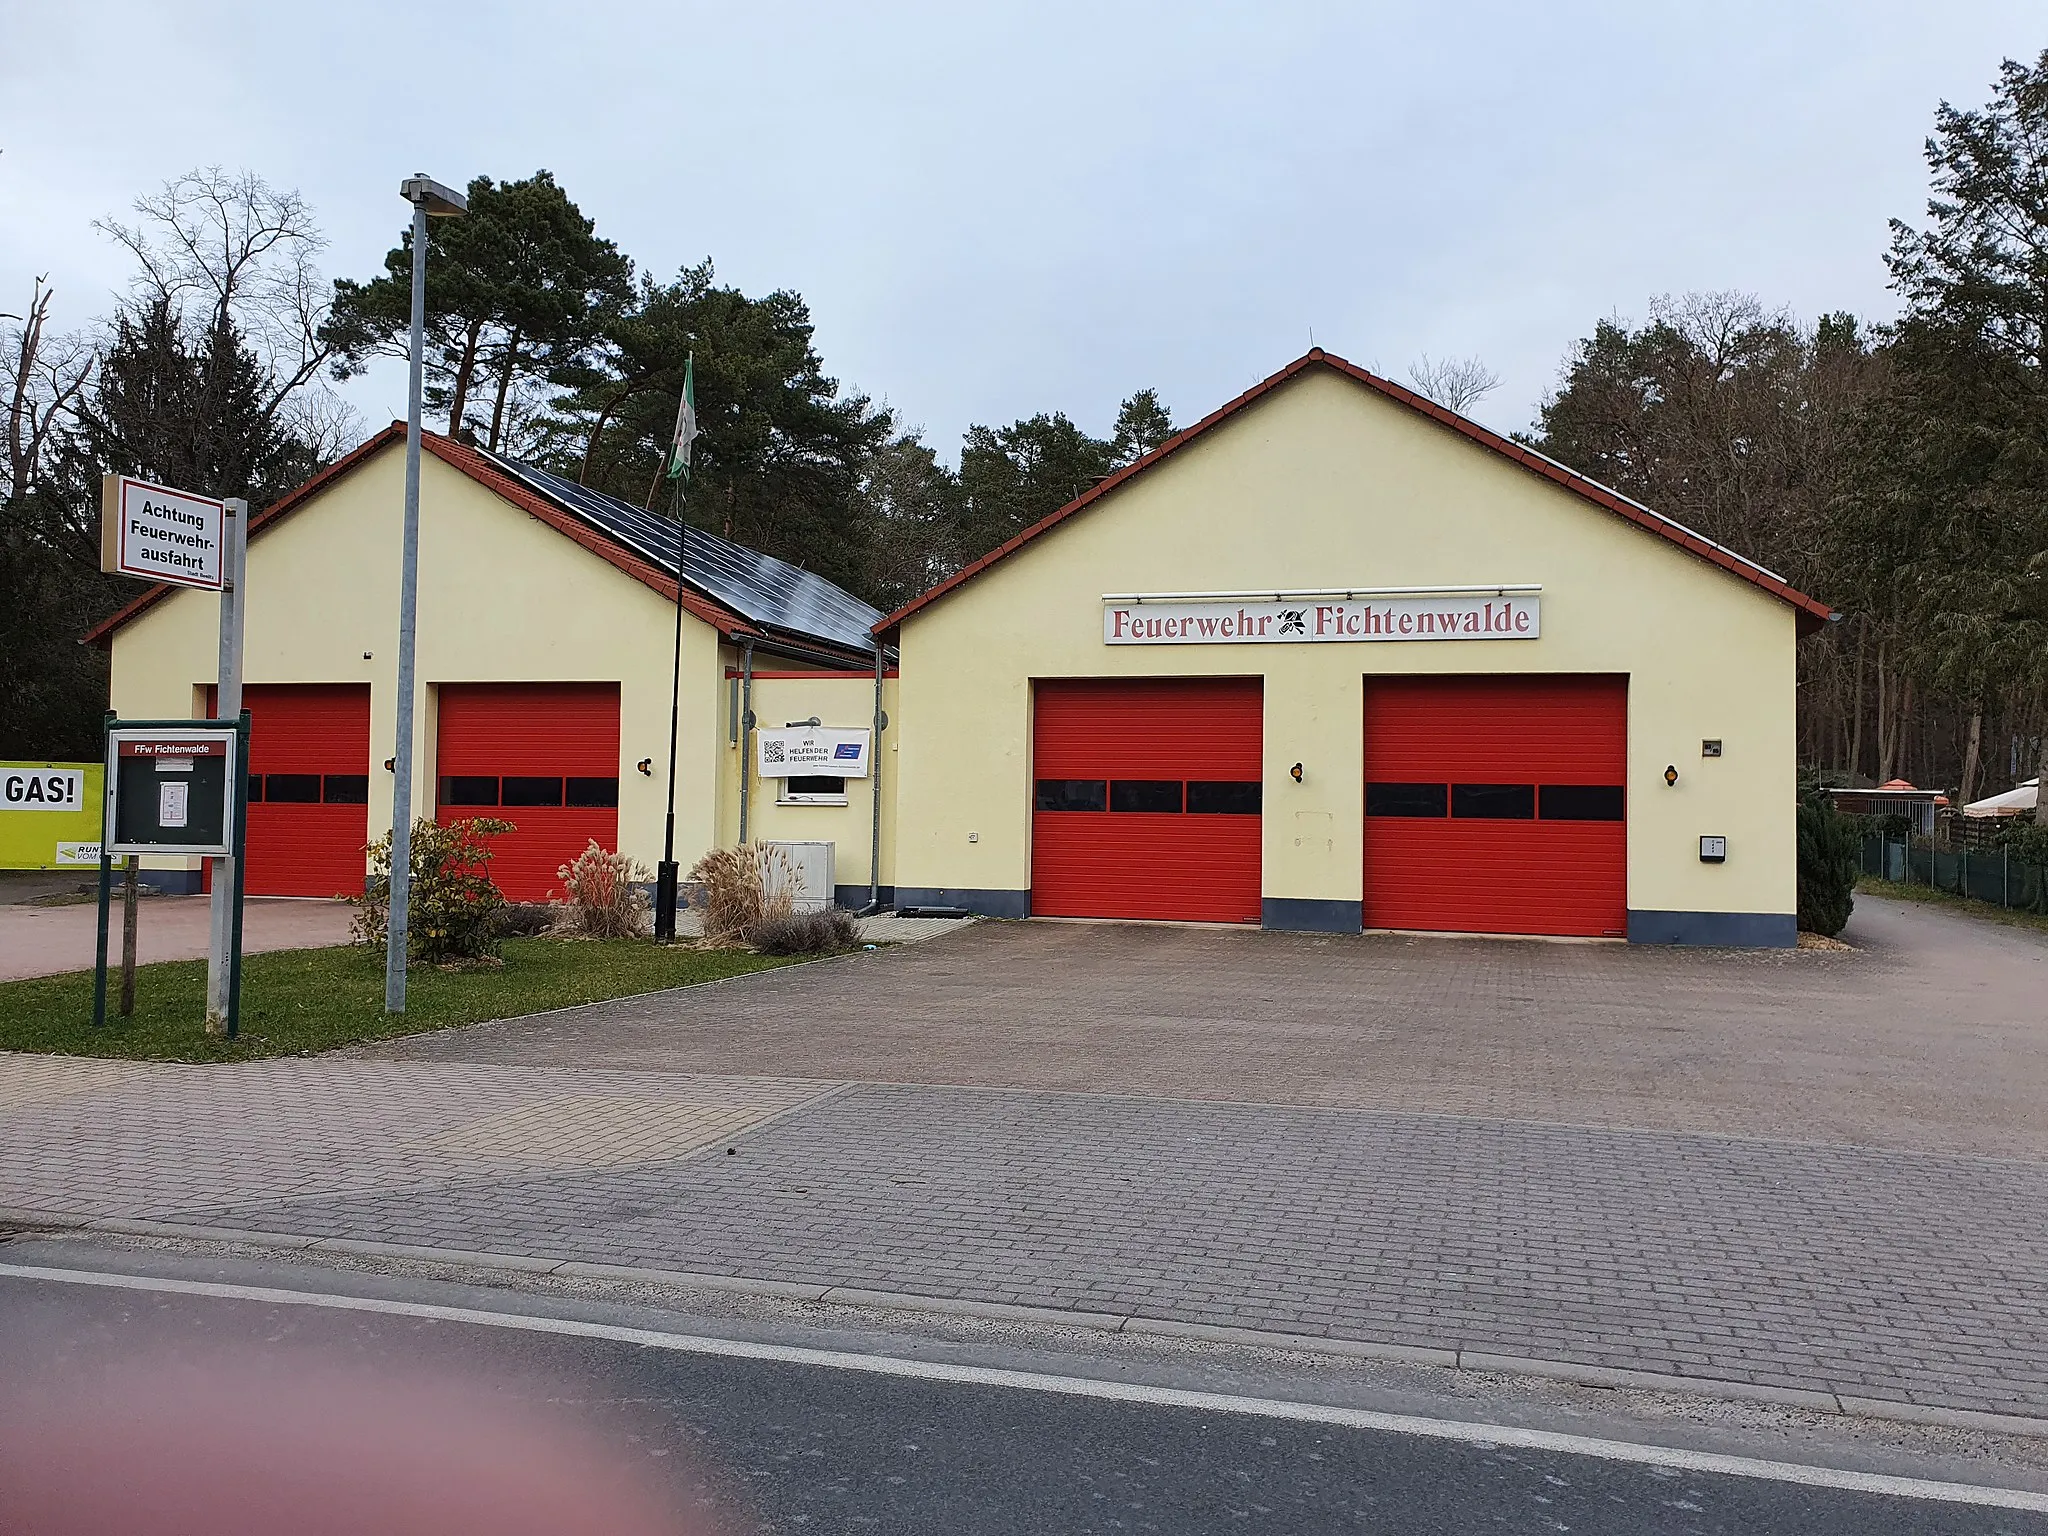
(1453, 1430)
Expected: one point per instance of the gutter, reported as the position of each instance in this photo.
(875, 792)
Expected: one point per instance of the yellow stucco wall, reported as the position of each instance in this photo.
(1326, 484)
(502, 598)
(843, 699)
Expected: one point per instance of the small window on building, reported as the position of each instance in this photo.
(346, 789)
(1073, 795)
(813, 789)
(469, 789)
(1208, 797)
(255, 789)
(528, 790)
(1141, 795)
(592, 792)
(1405, 799)
(1494, 802)
(1583, 802)
(292, 788)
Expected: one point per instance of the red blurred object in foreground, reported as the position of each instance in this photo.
(239, 1448)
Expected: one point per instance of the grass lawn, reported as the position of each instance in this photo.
(298, 1001)
(1934, 896)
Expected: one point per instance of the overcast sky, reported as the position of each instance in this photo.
(997, 210)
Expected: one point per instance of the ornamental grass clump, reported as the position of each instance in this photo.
(604, 895)
(823, 932)
(452, 905)
(736, 890)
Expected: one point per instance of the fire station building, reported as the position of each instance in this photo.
(1333, 659)
(1336, 658)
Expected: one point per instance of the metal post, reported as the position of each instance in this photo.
(234, 1011)
(746, 731)
(665, 872)
(408, 608)
(99, 969)
(875, 789)
(227, 705)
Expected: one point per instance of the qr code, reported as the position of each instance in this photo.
(771, 751)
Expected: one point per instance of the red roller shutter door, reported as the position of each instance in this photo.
(543, 756)
(1497, 804)
(1146, 799)
(309, 788)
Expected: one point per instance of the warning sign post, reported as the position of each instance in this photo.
(162, 534)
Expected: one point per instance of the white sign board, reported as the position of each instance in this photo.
(78, 853)
(160, 534)
(42, 789)
(806, 750)
(1173, 622)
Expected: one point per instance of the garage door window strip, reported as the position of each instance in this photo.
(530, 790)
(1224, 797)
(291, 788)
(1493, 802)
(1197, 797)
(345, 788)
(1498, 802)
(1584, 802)
(1073, 794)
(1157, 796)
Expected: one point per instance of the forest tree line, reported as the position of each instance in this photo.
(1896, 469)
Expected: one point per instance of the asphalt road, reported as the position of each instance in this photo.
(177, 1410)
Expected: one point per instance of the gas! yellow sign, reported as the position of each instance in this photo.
(50, 815)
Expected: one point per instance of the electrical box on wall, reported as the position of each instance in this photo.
(1713, 850)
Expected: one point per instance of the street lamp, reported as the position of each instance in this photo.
(429, 199)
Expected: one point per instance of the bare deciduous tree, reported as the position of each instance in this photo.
(1455, 383)
(232, 252)
(40, 377)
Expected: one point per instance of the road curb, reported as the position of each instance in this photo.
(1813, 1400)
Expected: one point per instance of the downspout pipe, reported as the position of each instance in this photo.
(875, 792)
(746, 731)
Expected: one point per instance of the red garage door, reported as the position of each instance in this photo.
(1497, 804)
(309, 787)
(543, 756)
(1147, 799)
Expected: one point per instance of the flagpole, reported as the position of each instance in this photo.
(665, 873)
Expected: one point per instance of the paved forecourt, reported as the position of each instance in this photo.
(1852, 1272)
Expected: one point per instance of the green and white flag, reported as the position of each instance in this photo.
(686, 424)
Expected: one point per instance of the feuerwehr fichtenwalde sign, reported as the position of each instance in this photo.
(1481, 615)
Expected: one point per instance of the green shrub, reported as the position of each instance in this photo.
(452, 906)
(1830, 847)
(2026, 840)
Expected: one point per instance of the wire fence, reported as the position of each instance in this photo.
(1984, 874)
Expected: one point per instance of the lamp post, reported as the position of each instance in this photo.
(429, 199)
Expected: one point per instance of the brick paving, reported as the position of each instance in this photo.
(146, 1141)
(1879, 1228)
(1933, 1036)
(46, 941)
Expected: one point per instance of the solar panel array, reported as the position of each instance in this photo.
(759, 588)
